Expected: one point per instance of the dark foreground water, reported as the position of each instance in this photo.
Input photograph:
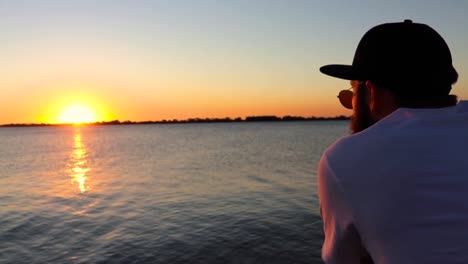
(181, 193)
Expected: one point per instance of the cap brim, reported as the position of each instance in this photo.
(346, 72)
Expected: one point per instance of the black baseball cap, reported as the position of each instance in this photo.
(403, 51)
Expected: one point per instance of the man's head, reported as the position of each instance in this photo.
(398, 65)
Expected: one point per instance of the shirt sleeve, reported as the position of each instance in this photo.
(342, 243)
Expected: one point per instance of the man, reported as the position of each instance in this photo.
(396, 190)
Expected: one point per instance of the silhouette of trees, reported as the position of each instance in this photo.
(266, 118)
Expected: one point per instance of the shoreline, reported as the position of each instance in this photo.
(248, 119)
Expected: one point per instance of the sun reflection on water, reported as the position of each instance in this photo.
(78, 163)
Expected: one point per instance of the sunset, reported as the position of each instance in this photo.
(155, 60)
(77, 114)
(204, 131)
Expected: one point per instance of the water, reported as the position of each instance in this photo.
(175, 193)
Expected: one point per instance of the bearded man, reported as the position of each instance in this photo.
(396, 190)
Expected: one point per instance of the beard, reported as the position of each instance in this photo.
(362, 116)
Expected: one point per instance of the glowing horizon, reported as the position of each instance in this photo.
(155, 60)
(77, 114)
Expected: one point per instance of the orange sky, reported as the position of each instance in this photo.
(150, 60)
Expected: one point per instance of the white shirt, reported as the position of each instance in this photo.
(399, 189)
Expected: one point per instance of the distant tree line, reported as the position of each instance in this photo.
(227, 120)
(264, 118)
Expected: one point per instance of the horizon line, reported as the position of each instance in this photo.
(260, 118)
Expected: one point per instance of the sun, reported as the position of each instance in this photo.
(77, 114)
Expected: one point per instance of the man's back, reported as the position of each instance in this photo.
(403, 184)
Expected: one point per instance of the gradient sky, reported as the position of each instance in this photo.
(153, 60)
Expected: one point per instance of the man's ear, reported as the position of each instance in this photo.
(373, 96)
(370, 85)
(381, 101)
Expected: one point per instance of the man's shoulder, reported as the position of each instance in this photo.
(402, 128)
(342, 151)
(348, 145)
(356, 147)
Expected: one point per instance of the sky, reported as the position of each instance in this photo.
(153, 60)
